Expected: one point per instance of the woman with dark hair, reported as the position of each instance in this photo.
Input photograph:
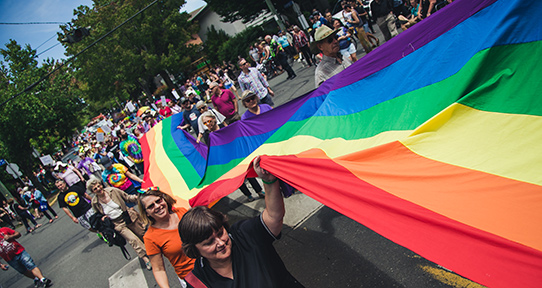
(162, 238)
(240, 256)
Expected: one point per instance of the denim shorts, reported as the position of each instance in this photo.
(22, 262)
(351, 49)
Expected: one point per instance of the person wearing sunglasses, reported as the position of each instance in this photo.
(202, 108)
(333, 62)
(162, 238)
(240, 255)
(250, 101)
(251, 79)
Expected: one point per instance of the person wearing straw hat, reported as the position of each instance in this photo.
(333, 62)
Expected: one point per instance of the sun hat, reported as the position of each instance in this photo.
(247, 94)
(322, 33)
(200, 104)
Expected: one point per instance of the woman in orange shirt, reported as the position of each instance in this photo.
(162, 237)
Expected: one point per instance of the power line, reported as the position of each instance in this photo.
(45, 42)
(48, 49)
(31, 23)
(75, 56)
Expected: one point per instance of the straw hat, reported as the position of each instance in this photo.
(322, 33)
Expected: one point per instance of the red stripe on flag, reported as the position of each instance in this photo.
(473, 253)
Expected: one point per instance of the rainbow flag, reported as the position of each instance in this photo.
(428, 140)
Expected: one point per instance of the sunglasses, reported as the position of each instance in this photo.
(250, 99)
(330, 39)
(202, 108)
(155, 204)
(207, 122)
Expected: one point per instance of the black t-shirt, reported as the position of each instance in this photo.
(361, 11)
(381, 9)
(255, 261)
(75, 200)
(114, 148)
(16, 207)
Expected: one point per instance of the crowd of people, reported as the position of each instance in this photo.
(104, 182)
(270, 56)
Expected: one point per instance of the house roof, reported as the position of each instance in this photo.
(196, 12)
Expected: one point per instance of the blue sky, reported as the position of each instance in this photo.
(17, 11)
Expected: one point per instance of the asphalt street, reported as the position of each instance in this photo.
(320, 247)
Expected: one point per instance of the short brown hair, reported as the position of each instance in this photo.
(198, 224)
(155, 191)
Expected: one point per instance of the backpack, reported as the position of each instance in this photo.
(107, 228)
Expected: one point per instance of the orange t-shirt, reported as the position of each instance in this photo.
(168, 243)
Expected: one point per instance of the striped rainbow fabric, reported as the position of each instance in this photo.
(429, 140)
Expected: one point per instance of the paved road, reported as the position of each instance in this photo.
(320, 247)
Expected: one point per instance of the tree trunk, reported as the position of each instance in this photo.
(169, 83)
(145, 87)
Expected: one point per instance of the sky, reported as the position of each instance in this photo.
(42, 37)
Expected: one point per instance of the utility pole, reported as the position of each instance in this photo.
(275, 14)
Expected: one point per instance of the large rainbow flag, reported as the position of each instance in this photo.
(428, 140)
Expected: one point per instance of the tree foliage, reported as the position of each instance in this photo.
(125, 62)
(44, 117)
(215, 40)
(220, 47)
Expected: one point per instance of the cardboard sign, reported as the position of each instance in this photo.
(130, 107)
(175, 94)
(106, 129)
(100, 137)
(163, 98)
(47, 160)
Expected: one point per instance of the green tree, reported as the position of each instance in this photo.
(220, 47)
(125, 62)
(215, 40)
(44, 117)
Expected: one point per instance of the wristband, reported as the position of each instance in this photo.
(270, 182)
